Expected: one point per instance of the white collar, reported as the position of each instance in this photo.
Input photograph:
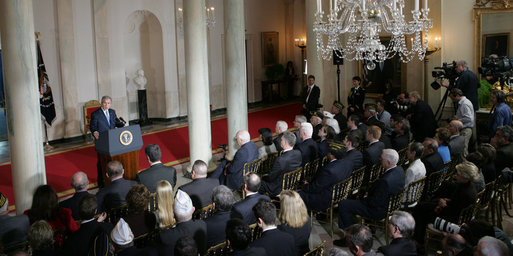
(269, 228)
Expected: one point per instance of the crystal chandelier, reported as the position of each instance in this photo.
(362, 21)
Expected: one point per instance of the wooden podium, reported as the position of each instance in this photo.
(123, 145)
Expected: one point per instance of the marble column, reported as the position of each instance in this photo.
(235, 73)
(22, 100)
(313, 59)
(196, 71)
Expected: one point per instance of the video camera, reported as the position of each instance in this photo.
(496, 66)
(448, 71)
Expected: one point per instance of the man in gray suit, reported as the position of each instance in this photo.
(457, 141)
(157, 171)
(14, 229)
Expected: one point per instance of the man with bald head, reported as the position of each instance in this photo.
(80, 183)
(244, 207)
(230, 172)
(200, 189)
(432, 159)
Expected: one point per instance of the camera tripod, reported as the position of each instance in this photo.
(441, 105)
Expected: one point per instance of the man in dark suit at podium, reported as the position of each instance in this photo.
(102, 120)
(157, 171)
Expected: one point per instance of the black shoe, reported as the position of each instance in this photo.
(222, 146)
(187, 175)
(321, 216)
(340, 242)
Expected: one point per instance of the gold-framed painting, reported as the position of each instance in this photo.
(497, 44)
(270, 48)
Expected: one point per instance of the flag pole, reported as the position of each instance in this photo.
(48, 147)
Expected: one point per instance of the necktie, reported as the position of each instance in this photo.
(108, 117)
(309, 89)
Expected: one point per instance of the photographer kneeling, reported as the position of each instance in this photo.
(449, 205)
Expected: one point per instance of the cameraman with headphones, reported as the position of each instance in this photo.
(502, 114)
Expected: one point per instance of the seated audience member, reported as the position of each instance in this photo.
(358, 238)
(200, 189)
(501, 116)
(81, 242)
(244, 208)
(351, 142)
(45, 207)
(289, 160)
(432, 159)
(422, 120)
(477, 159)
(80, 183)
(488, 165)
(157, 170)
(326, 133)
(316, 121)
(267, 140)
(442, 137)
(229, 173)
(455, 245)
(449, 206)
(336, 110)
(40, 238)
(477, 229)
(456, 141)
(416, 170)
(281, 127)
(139, 219)
(370, 117)
(14, 228)
(401, 137)
(401, 226)
(383, 116)
(317, 194)
(372, 153)
(223, 200)
(503, 143)
(490, 246)
(464, 113)
(123, 240)
(185, 226)
(238, 237)
(186, 246)
(165, 200)
(114, 195)
(308, 147)
(337, 252)
(375, 204)
(295, 220)
(273, 240)
(298, 120)
(352, 126)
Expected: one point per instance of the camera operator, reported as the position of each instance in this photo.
(501, 115)
(467, 82)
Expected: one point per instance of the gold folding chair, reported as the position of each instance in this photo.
(291, 179)
(267, 163)
(413, 193)
(310, 169)
(256, 232)
(219, 249)
(433, 183)
(114, 214)
(204, 212)
(357, 180)
(375, 173)
(340, 191)
(251, 167)
(394, 204)
(318, 251)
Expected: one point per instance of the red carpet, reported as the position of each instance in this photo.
(174, 143)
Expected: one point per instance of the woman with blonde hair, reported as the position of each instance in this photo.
(165, 201)
(294, 219)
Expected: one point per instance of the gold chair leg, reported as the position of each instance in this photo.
(331, 221)
(311, 219)
(386, 230)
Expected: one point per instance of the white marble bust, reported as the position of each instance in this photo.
(140, 80)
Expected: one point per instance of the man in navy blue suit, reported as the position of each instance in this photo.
(230, 172)
(317, 194)
(244, 207)
(376, 203)
(80, 183)
(102, 120)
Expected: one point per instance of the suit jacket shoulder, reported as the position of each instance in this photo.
(156, 173)
(196, 229)
(276, 242)
(200, 191)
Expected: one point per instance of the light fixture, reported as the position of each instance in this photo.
(363, 21)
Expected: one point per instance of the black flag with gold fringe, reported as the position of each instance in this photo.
(45, 97)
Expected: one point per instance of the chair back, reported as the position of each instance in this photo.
(148, 239)
(341, 191)
(403, 157)
(486, 195)
(204, 212)
(433, 182)
(152, 204)
(89, 108)
(450, 169)
(324, 161)
(468, 213)
(394, 202)
(317, 251)
(114, 214)
(267, 163)
(310, 169)
(256, 232)
(291, 179)
(219, 249)
(251, 167)
(375, 172)
(357, 179)
(413, 192)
